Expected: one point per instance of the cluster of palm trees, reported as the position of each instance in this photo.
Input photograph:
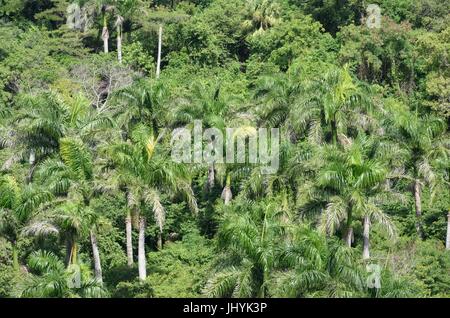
(343, 157)
(342, 154)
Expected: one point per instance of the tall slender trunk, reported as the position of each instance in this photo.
(96, 255)
(349, 228)
(160, 243)
(105, 35)
(142, 263)
(73, 253)
(119, 42)
(129, 239)
(68, 252)
(349, 236)
(15, 256)
(32, 158)
(227, 195)
(418, 206)
(366, 242)
(158, 62)
(447, 241)
(32, 162)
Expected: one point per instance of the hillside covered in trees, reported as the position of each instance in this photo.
(93, 204)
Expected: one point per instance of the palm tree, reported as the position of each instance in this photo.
(74, 176)
(215, 108)
(266, 254)
(313, 266)
(349, 181)
(142, 102)
(122, 9)
(261, 15)
(278, 95)
(153, 21)
(320, 109)
(35, 129)
(334, 103)
(50, 279)
(427, 142)
(249, 238)
(18, 205)
(43, 120)
(147, 171)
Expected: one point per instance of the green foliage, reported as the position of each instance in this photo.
(432, 268)
(87, 178)
(135, 289)
(181, 268)
(137, 58)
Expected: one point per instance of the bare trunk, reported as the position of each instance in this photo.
(142, 263)
(349, 229)
(349, 237)
(447, 241)
(32, 158)
(68, 252)
(73, 259)
(158, 63)
(32, 162)
(227, 195)
(119, 43)
(366, 242)
(96, 255)
(105, 37)
(418, 205)
(159, 241)
(129, 239)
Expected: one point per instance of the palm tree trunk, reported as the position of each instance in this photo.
(142, 263)
(15, 256)
(32, 158)
(418, 206)
(447, 241)
(349, 228)
(119, 42)
(105, 35)
(349, 236)
(96, 255)
(159, 240)
(68, 252)
(158, 63)
(366, 242)
(74, 253)
(227, 195)
(32, 162)
(129, 239)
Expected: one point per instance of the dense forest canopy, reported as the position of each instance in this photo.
(92, 204)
